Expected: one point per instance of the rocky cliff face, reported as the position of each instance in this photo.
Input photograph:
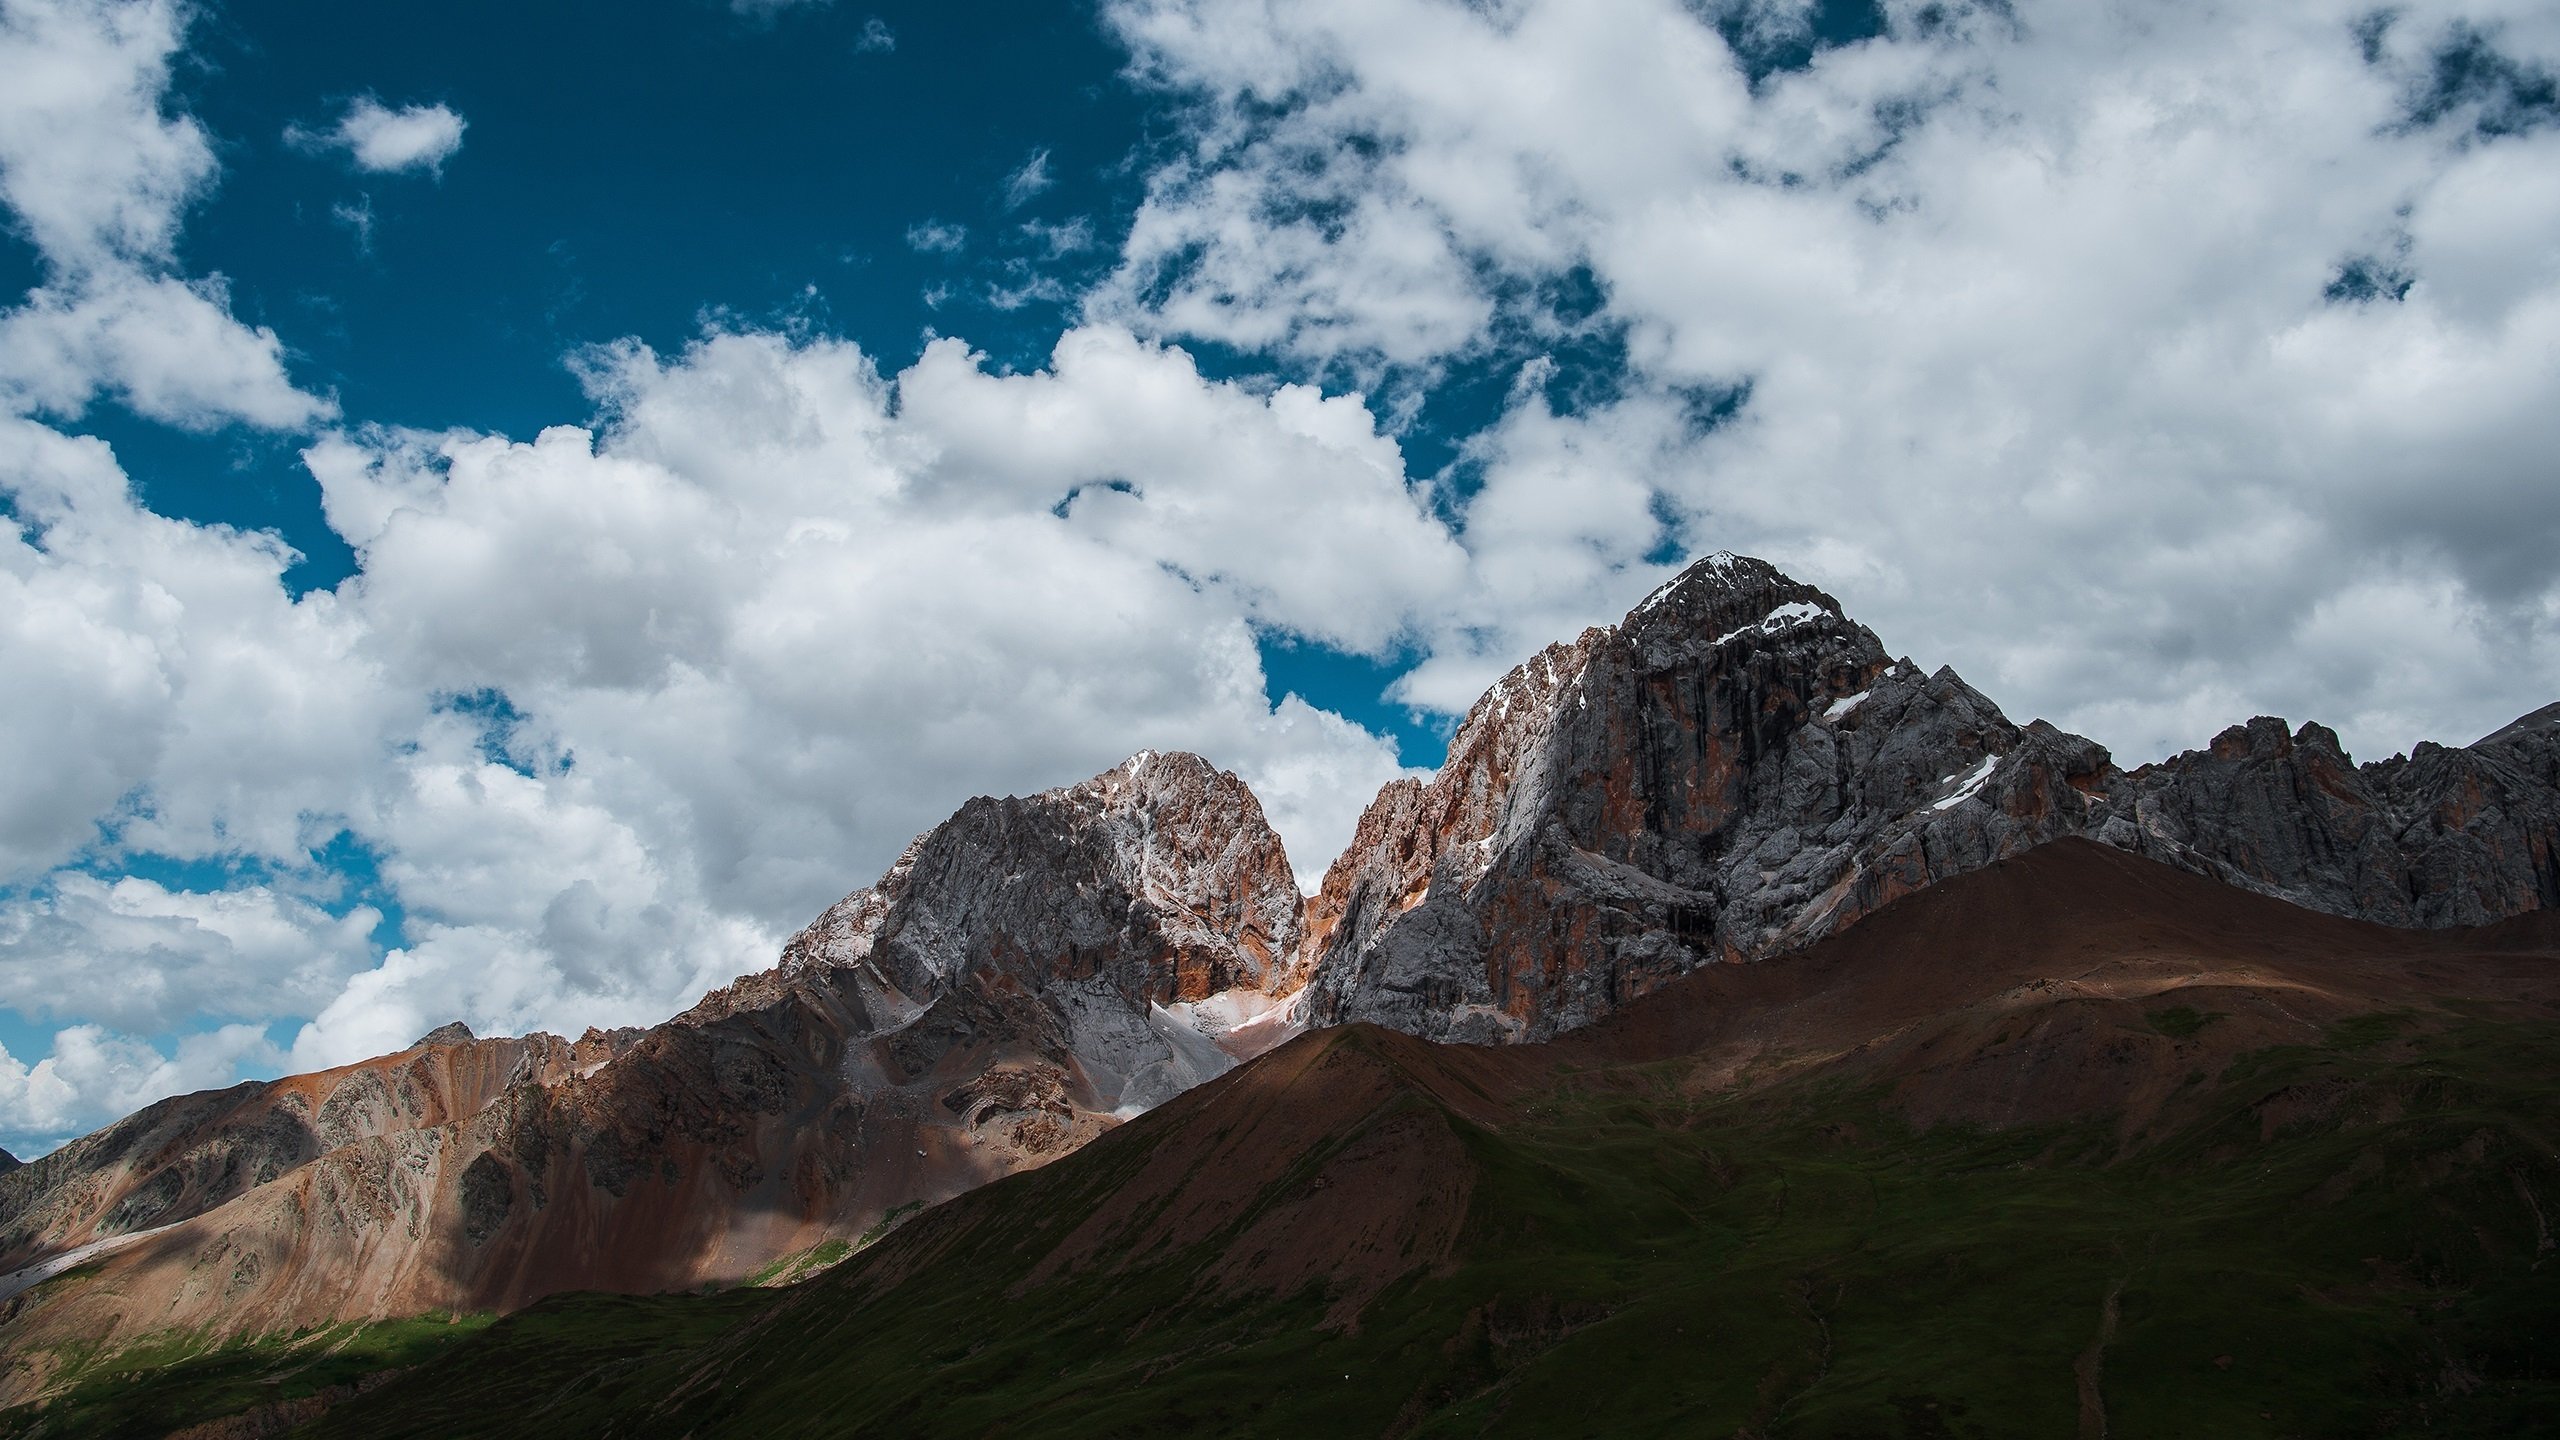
(2439, 837)
(1738, 769)
(1027, 973)
(1097, 921)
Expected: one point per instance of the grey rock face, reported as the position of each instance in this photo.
(1070, 921)
(1738, 769)
(2439, 837)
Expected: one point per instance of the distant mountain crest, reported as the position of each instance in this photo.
(1734, 771)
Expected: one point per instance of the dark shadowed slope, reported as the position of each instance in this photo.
(2073, 1145)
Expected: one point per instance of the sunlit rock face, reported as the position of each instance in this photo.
(1123, 926)
(1737, 769)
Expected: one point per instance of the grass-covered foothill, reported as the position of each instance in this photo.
(170, 1382)
(2344, 1238)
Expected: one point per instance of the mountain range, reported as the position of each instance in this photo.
(1975, 926)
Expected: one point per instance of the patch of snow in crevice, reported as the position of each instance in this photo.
(1226, 1010)
(1841, 707)
(1972, 785)
(1785, 617)
(1720, 563)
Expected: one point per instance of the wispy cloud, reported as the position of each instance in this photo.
(1025, 184)
(876, 37)
(935, 237)
(1069, 238)
(357, 216)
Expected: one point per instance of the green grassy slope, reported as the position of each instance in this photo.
(2343, 1238)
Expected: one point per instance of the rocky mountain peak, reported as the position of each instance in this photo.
(1191, 840)
(1166, 829)
(1732, 724)
(1737, 769)
(1725, 599)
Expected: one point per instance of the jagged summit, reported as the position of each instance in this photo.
(1734, 769)
(1726, 599)
(1163, 841)
(1738, 768)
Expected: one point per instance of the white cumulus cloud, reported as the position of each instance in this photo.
(95, 1075)
(2025, 328)
(620, 705)
(99, 177)
(384, 140)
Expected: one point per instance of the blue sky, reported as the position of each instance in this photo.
(631, 170)
(713, 441)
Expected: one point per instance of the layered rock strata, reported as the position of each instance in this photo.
(2435, 838)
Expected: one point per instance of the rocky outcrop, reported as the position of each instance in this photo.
(1098, 918)
(2435, 838)
(1735, 770)
(1026, 974)
(1738, 769)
